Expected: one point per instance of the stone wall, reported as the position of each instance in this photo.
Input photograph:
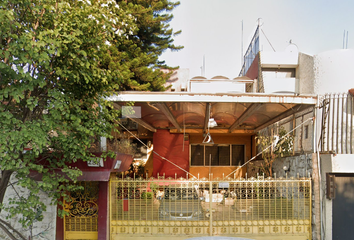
(293, 166)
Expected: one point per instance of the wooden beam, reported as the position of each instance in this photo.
(283, 115)
(165, 110)
(137, 120)
(143, 124)
(215, 131)
(246, 114)
(207, 116)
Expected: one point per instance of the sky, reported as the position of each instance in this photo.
(212, 29)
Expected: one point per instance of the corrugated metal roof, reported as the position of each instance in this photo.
(244, 112)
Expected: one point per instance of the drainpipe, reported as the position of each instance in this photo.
(210, 208)
(316, 151)
(103, 144)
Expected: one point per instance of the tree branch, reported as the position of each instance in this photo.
(6, 226)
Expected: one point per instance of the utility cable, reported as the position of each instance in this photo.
(267, 148)
(188, 173)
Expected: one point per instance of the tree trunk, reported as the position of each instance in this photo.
(4, 182)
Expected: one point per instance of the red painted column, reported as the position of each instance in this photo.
(59, 224)
(103, 217)
(173, 147)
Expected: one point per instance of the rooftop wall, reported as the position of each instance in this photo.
(334, 71)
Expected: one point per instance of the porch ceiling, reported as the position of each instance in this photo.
(190, 112)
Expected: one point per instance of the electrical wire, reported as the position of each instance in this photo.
(266, 148)
(188, 173)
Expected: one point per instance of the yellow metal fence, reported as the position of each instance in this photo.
(199, 207)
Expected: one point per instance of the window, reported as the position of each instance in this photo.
(306, 130)
(217, 155)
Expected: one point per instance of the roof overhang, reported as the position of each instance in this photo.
(97, 170)
(190, 112)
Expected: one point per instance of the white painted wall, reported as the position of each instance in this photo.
(343, 163)
(178, 80)
(288, 58)
(334, 71)
(217, 86)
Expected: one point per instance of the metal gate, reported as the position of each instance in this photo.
(181, 208)
(343, 206)
(81, 223)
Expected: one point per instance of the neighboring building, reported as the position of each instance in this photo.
(325, 149)
(335, 137)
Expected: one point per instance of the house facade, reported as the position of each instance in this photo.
(202, 136)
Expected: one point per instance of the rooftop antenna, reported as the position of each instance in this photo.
(202, 68)
(242, 57)
(345, 40)
(261, 24)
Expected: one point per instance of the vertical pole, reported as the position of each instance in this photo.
(110, 204)
(346, 124)
(333, 112)
(337, 126)
(310, 210)
(328, 122)
(293, 133)
(322, 126)
(210, 208)
(343, 38)
(242, 59)
(342, 127)
(314, 131)
(103, 144)
(351, 122)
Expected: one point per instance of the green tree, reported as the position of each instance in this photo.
(274, 147)
(137, 56)
(53, 84)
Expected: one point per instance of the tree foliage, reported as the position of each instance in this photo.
(53, 84)
(274, 147)
(137, 56)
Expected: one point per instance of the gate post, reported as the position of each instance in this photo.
(210, 208)
(103, 211)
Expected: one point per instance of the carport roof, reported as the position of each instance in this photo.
(233, 113)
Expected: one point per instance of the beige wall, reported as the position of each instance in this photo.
(301, 143)
(305, 72)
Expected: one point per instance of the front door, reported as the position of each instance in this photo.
(81, 223)
(343, 207)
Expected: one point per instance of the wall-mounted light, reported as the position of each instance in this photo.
(212, 123)
(286, 169)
